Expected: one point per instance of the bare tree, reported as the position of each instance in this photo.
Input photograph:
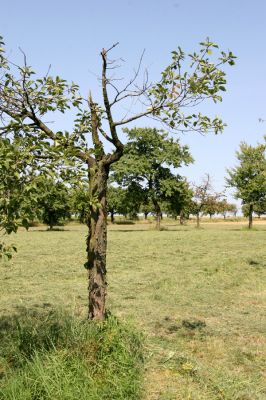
(204, 196)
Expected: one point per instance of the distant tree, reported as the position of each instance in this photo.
(260, 208)
(249, 177)
(245, 210)
(224, 207)
(203, 197)
(79, 199)
(212, 206)
(53, 202)
(27, 101)
(135, 197)
(146, 207)
(181, 202)
(146, 166)
(116, 201)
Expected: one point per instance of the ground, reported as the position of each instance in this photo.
(196, 294)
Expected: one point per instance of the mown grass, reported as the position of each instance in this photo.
(198, 296)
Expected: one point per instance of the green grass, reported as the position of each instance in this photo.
(46, 356)
(197, 295)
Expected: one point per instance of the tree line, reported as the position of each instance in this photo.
(144, 181)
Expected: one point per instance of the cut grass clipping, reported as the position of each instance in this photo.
(56, 356)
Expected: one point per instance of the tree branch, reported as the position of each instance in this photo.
(136, 116)
(118, 144)
(125, 89)
(99, 151)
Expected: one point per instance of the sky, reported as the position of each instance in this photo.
(69, 35)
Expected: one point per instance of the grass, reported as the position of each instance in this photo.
(51, 355)
(197, 295)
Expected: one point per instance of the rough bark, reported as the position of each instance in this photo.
(97, 241)
(182, 218)
(250, 216)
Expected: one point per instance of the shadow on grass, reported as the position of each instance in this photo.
(122, 223)
(32, 329)
(247, 229)
(51, 230)
(129, 230)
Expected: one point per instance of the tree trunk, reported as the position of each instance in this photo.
(250, 216)
(112, 217)
(158, 214)
(146, 215)
(198, 220)
(158, 221)
(97, 241)
(182, 218)
(50, 224)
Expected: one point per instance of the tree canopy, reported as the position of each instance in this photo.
(204, 198)
(148, 157)
(17, 188)
(249, 177)
(54, 204)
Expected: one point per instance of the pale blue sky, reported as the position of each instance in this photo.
(70, 35)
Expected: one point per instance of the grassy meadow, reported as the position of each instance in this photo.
(196, 295)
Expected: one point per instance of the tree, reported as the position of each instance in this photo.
(260, 208)
(53, 201)
(146, 207)
(17, 189)
(204, 197)
(146, 163)
(27, 102)
(80, 200)
(116, 201)
(135, 197)
(180, 203)
(223, 207)
(212, 206)
(249, 177)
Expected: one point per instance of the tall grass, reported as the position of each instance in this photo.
(55, 356)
